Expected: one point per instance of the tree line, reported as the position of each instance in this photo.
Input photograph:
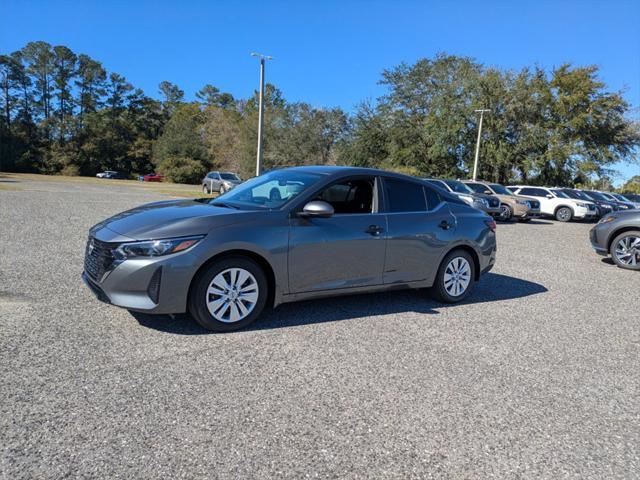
(62, 112)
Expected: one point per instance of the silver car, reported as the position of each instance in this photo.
(618, 234)
(220, 182)
(289, 235)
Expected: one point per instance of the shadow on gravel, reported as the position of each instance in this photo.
(530, 222)
(492, 287)
(608, 261)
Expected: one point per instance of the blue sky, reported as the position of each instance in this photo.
(329, 53)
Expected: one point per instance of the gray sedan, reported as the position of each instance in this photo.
(289, 235)
(220, 182)
(618, 235)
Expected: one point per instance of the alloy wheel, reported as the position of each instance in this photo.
(627, 250)
(457, 276)
(505, 212)
(232, 295)
(564, 214)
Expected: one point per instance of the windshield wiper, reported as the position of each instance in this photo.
(224, 205)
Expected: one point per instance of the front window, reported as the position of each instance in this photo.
(458, 187)
(350, 196)
(268, 191)
(499, 189)
(230, 176)
(560, 194)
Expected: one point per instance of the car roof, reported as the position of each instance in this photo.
(339, 171)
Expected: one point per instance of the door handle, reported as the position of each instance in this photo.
(445, 225)
(374, 230)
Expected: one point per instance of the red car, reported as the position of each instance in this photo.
(153, 177)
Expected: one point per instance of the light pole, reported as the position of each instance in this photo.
(475, 162)
(260, 108)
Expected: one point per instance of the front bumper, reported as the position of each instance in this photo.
(595, 242)
(151, 285)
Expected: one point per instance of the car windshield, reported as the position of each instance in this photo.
(560, 194)
(458, 187)
(437, 183)
(229, 176)
(622, 198)
(499, 189)
(608, 197)
(569, 194)
(268, 191)
(597, 196)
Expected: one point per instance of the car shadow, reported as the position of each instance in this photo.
(608, 261)
(530, 222)
(493, 287)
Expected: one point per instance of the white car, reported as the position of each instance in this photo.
(557, 204)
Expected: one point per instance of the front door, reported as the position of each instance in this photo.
(345, 250)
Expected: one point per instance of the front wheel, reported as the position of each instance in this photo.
(229, 294)
(456, 277)
(505, 213)
(564, 214)
(223, 189)
(205, 190)
(625, 250)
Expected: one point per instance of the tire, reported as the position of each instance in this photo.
(215, 312)
(223, 189)
(564, 214)
(443, 289)
(627, 243)
(506, 212)
(205, 190)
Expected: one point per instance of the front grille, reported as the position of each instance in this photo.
(494, 202)
(534, 204)
(98, 258)
(591, 206)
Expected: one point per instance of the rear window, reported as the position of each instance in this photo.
(405, 196)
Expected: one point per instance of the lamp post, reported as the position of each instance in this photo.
(475, 162)
(260, 108)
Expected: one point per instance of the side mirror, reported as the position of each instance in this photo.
(317, 208)
(488, 192)
(549, 195)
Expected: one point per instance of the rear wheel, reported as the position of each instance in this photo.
(229, 294)
(625, 250)
(564, 214)
(223, 189)
(456, 277)
(205, 190)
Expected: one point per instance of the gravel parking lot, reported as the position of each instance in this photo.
(537, 375)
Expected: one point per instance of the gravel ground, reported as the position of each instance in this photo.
(535, 376)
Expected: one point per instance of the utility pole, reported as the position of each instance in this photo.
(260, 109)
(475, 162)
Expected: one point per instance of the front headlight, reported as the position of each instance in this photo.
(523, 202)
(467, 198)
(583, 205)
(481, 202)
(607, 219)
(155, 248)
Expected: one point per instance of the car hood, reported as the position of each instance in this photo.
(173, 218)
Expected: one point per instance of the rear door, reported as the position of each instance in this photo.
(345, 250)
(420, 229)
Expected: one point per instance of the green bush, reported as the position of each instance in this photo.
(179, 169)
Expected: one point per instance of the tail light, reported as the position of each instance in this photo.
(491, 224)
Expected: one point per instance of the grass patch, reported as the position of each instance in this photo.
(9, 187)
(165, 188)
